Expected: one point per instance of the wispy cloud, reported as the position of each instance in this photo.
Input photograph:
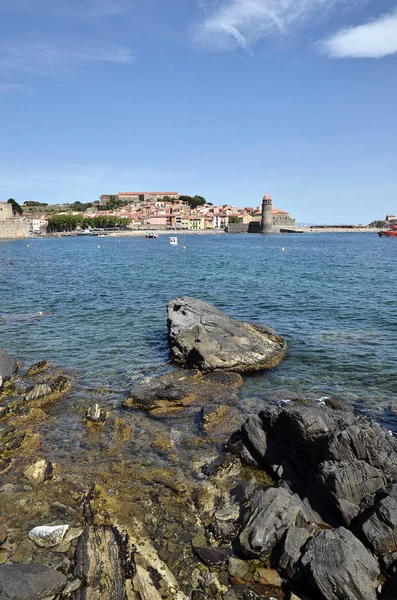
(91, 9)
(241, 23)
(41, 58)
(13, 87)
(373, 40)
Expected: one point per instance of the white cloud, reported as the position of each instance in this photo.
(241, 23)
(12, 87)
(372, 40)
(41, 58)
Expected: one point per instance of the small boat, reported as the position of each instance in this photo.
(151, 236)
(86, 232)
(392, 232)
(173, 241)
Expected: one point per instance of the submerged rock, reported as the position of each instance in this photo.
(29, 582)
(8, 366)
(41, 390)
(38, 472)
(181, 388)
(96, 414)
(203, 337)
(37, 368)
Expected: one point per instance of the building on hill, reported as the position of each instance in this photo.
(11, 226)
(146, 196)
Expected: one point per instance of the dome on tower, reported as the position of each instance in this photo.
(267, 197)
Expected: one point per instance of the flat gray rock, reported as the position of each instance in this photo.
(378, 526)
(203, 337)
(29, 582)
(8, 366)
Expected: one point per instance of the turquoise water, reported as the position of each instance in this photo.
(331, 296)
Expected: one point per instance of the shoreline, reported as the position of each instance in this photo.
(176, 233)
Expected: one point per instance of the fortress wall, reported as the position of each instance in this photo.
(5, 211)
(14, 228)
(237, 228)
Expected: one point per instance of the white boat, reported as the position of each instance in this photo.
(173, 241)
(85, 232)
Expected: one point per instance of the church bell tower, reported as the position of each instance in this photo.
(267, 214)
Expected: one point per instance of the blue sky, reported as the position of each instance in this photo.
(228, 99)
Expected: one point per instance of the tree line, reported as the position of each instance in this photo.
(59, 223)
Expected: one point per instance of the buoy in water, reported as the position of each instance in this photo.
(98, 246)
(282, 249)
(27, 245)
(184, 247)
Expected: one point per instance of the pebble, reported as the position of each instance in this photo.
(48, 536)
(38, 472)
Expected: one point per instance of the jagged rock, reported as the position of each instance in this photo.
(203, 337)
(333, 460)
(388, 562)
(291, 550)
(378, 526)
(29, 582)
(8, 366)
(37, 368)
(48, 536)
(96, 414)
(346, 483)
(337, 565)
(271, 512)
(60, 383)
(38, 472)
(41, 390)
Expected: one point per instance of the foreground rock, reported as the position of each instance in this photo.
(335, 505)
(203, 337)
(338, 566)
(29, 581)
(8, 366)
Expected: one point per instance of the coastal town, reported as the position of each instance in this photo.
(137, 212)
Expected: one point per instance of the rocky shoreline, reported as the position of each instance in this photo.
(297, 502)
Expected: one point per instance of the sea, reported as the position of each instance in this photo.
(332, 296)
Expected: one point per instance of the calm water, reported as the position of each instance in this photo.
(331, 296)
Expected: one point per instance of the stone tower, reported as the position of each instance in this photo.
(267, 215)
